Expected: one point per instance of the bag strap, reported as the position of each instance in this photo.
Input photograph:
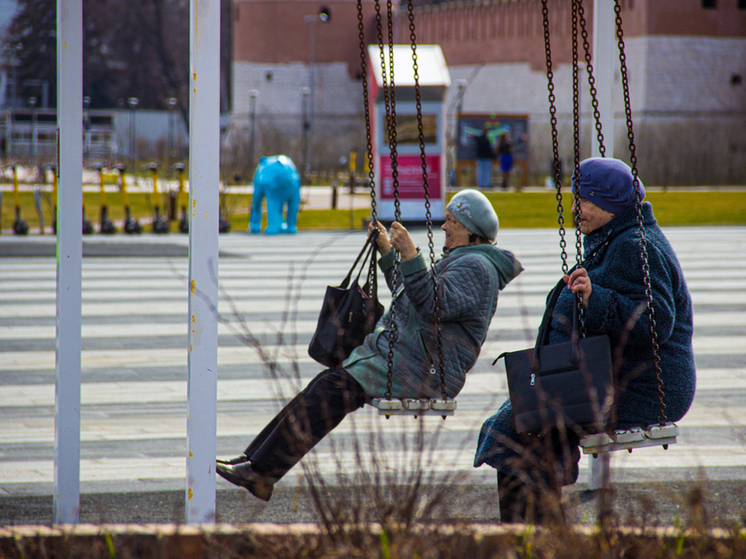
(542, 338)
(546, 322)
(371, 285)
(367, 247)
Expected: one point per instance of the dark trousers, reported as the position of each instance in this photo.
(307, 419)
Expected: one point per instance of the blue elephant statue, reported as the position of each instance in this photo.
(277, 179)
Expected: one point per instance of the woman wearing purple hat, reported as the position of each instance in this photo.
(612, 286)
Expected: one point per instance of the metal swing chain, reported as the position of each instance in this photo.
(591, 80)
(426, 192)
(368, 136)
(638, 205)
(392, 129)
(384, 78)
(576, 153)
(389, 101)
(555, 142)
(366, 102)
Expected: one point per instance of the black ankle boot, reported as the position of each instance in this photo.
(524, 503)
(233, 461)
(245, 476)
(512, 496)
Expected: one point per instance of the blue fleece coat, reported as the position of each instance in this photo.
(469, 279)
(614, 263)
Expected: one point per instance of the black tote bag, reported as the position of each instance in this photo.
(349, 312)
(565, 385)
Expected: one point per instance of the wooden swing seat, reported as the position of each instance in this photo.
(629, 439)
(414, 406)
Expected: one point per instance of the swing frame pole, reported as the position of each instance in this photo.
(69, 203)
(604, 54)
(204, 183)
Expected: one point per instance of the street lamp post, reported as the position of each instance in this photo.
(133, 102)
(171, 102)
(32, 104)
(453, 158)
(253, 94)
(324, 16)
(86, 127)
(305, 125)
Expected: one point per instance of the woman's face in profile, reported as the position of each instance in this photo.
(456, 234)
(590, 217)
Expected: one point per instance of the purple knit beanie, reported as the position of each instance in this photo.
(608, 183)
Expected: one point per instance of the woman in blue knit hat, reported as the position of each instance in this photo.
(612, 286)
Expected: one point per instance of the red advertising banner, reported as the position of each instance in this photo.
(410, 177)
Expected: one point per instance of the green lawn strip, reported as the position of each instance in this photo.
(699, 208)
(539, 209)
(517, 210)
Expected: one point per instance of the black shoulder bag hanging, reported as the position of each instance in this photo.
(565, 385)
(349, 312)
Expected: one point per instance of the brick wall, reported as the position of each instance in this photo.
(497, 50)
(283, 31)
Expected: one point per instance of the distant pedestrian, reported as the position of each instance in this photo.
(505, 153)
(485, 156)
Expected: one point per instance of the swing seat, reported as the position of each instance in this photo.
(414, 406)
(629, 439)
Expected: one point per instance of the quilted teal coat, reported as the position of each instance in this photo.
(469, 279)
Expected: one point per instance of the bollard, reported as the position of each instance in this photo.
(39, 209)
(353, 168)
(224, 226)
(53, 204)
(183, 197)
(105, 227)
(334, 194)
(131, 226)
(20, 227)
(160, 225)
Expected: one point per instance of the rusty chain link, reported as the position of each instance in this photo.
(638, 205)
(576, 7)
(390, 104)
(426, 192)
(366, 103)
(555, 141)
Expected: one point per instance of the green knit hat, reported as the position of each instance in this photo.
(473, 210)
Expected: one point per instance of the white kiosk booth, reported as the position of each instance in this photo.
(434, 80)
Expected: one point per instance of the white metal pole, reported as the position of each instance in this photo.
(604, 59)
(604, 63)
(69, 261)
(204, 176)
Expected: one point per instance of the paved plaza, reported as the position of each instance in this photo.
(134, 371)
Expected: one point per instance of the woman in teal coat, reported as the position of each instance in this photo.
(469, 276)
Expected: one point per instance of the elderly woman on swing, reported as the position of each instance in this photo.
(469, 276)
(531, 469)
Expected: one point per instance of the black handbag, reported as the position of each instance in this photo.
(565, 385)
(349, 312)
